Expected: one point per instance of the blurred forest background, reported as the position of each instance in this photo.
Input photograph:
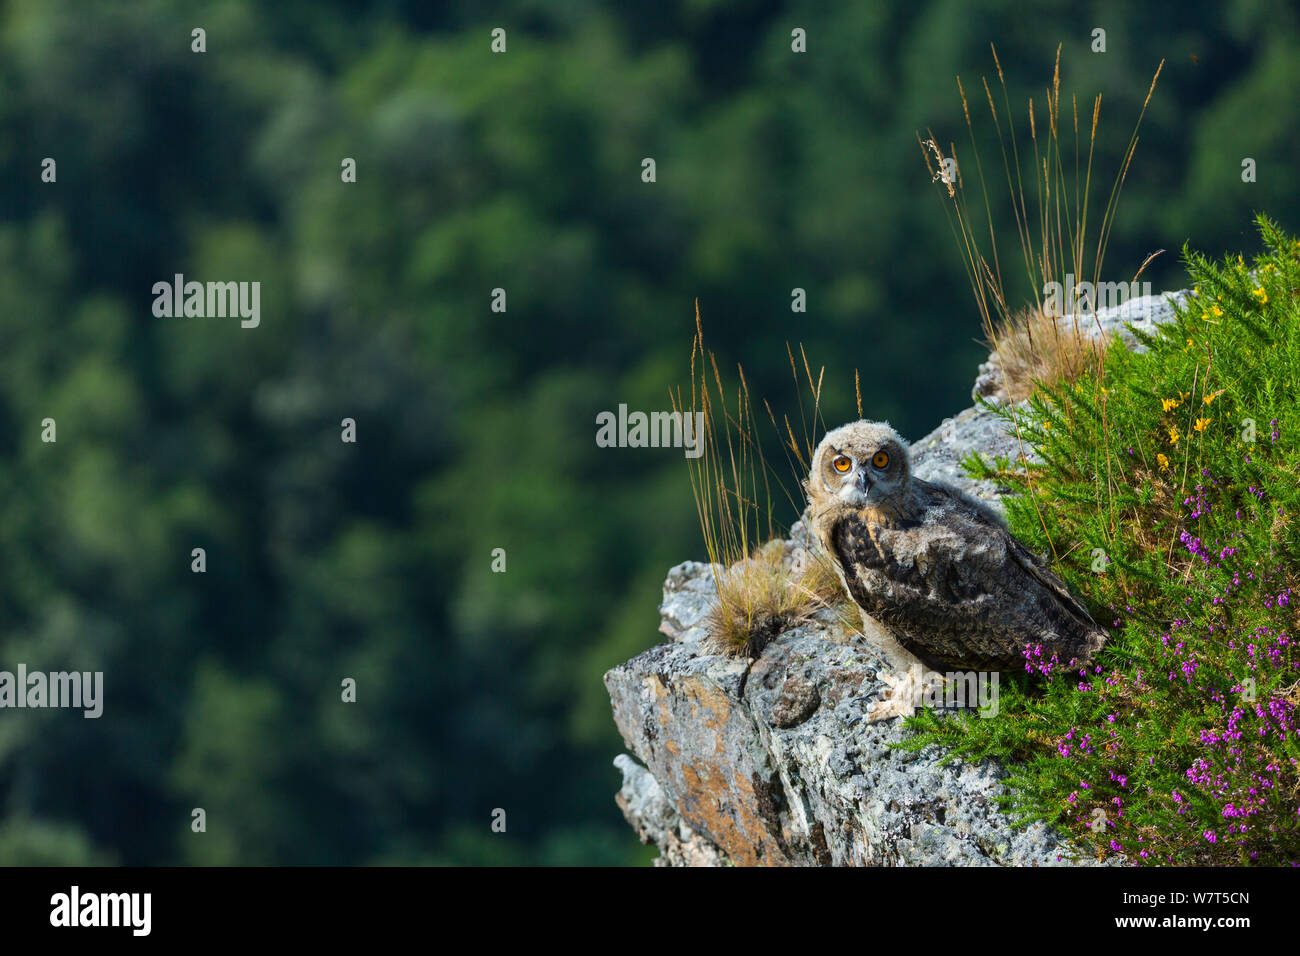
(475, 429)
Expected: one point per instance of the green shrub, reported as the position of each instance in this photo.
(1167, 496)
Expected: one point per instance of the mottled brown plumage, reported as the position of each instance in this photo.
(935, 566)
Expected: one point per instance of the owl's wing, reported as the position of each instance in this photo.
(958, 589)
(1033, 566)
(937, 604)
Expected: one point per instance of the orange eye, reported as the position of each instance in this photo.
(880, 459)
(842, 463)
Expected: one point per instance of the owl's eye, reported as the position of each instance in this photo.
(842, 463)
(880, 459)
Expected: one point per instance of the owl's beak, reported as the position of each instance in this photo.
(863, 481)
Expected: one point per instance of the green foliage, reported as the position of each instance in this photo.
(1168, 496)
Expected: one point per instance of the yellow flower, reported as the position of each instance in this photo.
(1169, 403)
(1209, 399)
(1201, 423)
(1163, 461)
(1217, 311)
(1261, 295)
(1173, 436)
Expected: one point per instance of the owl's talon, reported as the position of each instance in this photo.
(903, 697)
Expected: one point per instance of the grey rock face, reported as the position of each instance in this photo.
(773, 764)
(771, 761)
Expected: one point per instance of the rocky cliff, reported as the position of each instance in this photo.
(772, 762)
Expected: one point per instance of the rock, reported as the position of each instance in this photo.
(656, 820)
(1143, 314)
(771, 762)
(939, 455)
(799, 698)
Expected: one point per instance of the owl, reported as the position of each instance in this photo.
(938, 569)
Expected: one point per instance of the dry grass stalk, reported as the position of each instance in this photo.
(1052, 232)
(760, 591)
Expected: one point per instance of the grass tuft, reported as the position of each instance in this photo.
(767, 593)
(1033, 349)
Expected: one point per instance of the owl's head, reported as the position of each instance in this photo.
(862, 465)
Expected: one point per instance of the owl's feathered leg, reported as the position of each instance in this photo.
(904, 673)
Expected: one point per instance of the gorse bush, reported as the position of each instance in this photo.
(1167, 495)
